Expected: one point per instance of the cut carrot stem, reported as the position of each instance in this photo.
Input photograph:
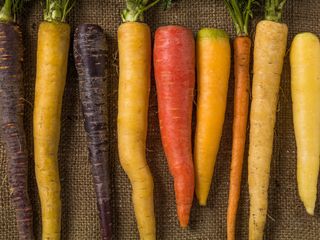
(174, 64)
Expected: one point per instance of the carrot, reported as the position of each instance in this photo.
(52, 60)
(11, 116)
(134, 42)
(240, 15)
(305, 88)
(174, 65)
(90, 51)
(269, 51)
(213, 68)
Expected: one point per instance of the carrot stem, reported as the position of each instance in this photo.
(6, 13)
(240, 12)
(135, 8)
(273, 10)
(57, 10)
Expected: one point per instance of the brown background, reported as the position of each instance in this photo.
(287, 218)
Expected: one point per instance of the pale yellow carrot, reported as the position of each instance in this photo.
(305, 90)
(269, 51)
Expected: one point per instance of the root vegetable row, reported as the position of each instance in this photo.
(177, 57)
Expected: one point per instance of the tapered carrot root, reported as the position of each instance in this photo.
(269, 51)
(213, 66)
(305, 86)
(242, 47)
(134, 41)
(52, 59)
(90, 51)
(174, 62)
(11, 121)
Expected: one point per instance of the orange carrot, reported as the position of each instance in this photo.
(241, 106)
(242, 45)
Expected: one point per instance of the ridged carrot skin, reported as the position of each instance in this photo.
(11, 121)
(242, 47)
(90, 52)
(134, 40)
(174, 65)
(305, 89)
(269, 51)
(52, 60)
(213, 70)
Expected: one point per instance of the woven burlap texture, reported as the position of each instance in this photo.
(287, 218)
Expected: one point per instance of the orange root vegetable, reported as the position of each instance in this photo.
(213, 68)
(240, 15)
(242, 47)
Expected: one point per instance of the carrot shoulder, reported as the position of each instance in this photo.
(213, 68)
(174, 63)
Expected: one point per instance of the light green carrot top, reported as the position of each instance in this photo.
(212, 33)
(10, 9)
(135, 8)
(57, 10)
(273, 10)
(240, 12)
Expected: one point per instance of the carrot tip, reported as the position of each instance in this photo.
(310, 210)
(202, 203)
(183, 226)
(183, 215)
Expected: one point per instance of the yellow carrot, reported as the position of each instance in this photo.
(52, 60)
(269, 51)
(213, 63)
(305, 86)
(134, 41)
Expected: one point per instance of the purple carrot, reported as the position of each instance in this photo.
(11, 118)
(90, 51)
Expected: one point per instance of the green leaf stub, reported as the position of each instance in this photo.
(212, 33)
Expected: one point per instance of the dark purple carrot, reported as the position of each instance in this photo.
(90, 51)
(11, 117)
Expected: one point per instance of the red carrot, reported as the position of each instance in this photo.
(174, 63)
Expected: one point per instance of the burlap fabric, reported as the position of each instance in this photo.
(287, 218)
